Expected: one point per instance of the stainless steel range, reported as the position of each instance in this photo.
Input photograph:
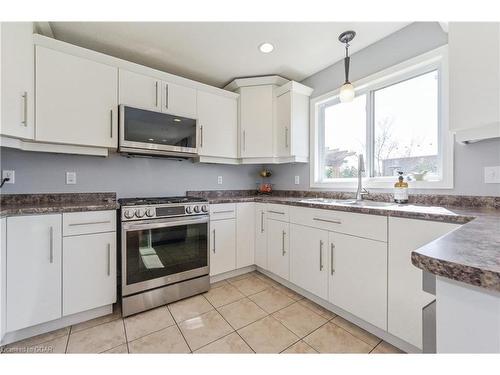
(164, 251)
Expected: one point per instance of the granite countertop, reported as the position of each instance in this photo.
(470, 253)
(29, 204)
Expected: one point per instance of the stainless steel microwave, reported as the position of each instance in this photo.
(145, 132)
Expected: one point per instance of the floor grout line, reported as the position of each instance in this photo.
(126, 337)
(67, 340)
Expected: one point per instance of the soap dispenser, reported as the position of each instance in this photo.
(401, 190)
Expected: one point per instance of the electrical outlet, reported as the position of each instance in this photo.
(219, 180)
(492, 175)
(297, 180)
(70, 178)
(10, 174)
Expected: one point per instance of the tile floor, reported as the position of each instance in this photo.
(246, 314)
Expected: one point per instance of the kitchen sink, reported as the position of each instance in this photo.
(350, 202)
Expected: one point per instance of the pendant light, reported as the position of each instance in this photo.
(347, 89)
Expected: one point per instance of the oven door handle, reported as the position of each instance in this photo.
(163, 223)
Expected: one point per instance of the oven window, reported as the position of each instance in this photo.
(153, 253)
(158, 128)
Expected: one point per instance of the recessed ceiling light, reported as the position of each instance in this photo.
(177, 119)
(151, 139)
(266, 47)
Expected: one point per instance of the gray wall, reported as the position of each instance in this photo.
(38, 172)
(408, 42)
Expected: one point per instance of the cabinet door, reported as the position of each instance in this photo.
(3, 269)
(278, 254)
(33, 270)
(89, 272)
(17, 90)
(256, 121)
(76, 100)
(309, 259)
(406, 298)
(139, 90)
(260, 235)
(218, 124)
(179, 100)
(358, 277)
(222, 246)
(245, 239)
(283, 124)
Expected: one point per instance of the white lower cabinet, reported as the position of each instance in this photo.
(245, 239)
(222, 246)
(309, 259)
(405, 295)
(260, 235)
(278, 254)
(358, 277)
(89, 272)
(33, 270)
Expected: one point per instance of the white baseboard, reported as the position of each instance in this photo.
(66, 321)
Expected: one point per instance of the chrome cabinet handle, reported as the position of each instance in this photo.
(109, 259)
(156, 94)
(201, 136)
(321, 255)
(51, 248)
(262, 222)
(276, 212)
(283, 252)
(328, 221)
(25, 109)
(214, 239)
(332, 268)
(166, 96)
(223, 212)
(89, 223)
(111, 124)
(286, 137)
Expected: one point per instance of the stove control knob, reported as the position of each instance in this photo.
(189, 209)
(197, 209)
(150, 212)
(129, 213)
(140, 212)
(204, 208)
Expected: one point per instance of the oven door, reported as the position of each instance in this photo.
(156, 133)
(164, 251)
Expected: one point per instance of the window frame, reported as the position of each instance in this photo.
(436, 59)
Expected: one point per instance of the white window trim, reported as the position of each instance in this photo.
(432, 60)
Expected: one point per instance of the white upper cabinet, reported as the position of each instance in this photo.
(292, 121)
(34, 270)
(256, 121)
(358, 277)
(139, 90)
(218, 125)
(474, 64)
(309, 259)
(17, 79)
(178, 100)
(76, 100)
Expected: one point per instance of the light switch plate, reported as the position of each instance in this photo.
(9, 174)
(70, 178)
(219, 180)
(492, 175)
(297, 180)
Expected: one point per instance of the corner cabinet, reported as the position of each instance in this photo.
(17, 83)
(34, 256)
(76, 100)
(218, 127)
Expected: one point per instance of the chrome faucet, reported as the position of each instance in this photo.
(361, 168)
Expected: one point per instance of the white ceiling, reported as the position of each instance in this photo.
(217, 52)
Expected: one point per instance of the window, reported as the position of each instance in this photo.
(397, 121)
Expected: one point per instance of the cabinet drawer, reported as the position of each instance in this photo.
(362, 225)
(277, 212)
(222, 211)
(75, 223)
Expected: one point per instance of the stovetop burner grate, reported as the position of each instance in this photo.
(158, 200)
